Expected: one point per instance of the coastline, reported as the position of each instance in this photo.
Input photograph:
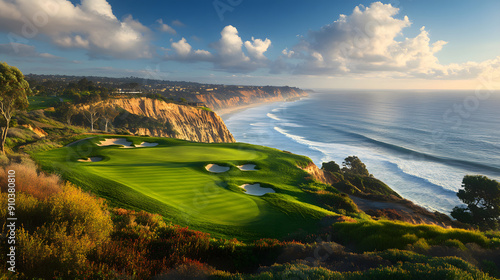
(225, 113)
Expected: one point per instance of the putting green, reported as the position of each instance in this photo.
(172, 176)
(171, 179)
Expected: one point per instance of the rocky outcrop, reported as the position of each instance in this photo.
(319, 174)
(38, 131)
(188, 123)
(240, 97)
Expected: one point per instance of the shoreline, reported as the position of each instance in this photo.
(225, 113)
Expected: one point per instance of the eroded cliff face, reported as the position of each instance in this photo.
(319, 174)
(245, 97)
(189, 123)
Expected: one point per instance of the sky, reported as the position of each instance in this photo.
(397, 44)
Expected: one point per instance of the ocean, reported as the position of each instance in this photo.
(420, 143)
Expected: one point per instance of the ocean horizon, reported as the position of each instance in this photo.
(420, 143)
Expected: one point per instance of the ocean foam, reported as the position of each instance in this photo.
(273, 116)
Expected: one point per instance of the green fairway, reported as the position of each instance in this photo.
(44, 102)
(171, 179)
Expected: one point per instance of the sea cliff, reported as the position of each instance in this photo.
(246, 96)
(187, 122)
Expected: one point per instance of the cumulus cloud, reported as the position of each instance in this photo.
(229, 49)
(184, 52)
(229, 52)
(366, 42)
(165, 27)
(257, 48)
(91, 25)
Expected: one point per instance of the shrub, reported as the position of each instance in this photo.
(81, 211)
(57, 232)
(189, 270)
(340, 203)
(51, 249)
(28, 180)
(4, 160)
(381, 235)
(455, 243)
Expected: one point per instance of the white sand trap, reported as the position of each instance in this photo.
(256, 189)
(91, 159)
(146, 144)
(116, 141)
(216, 168)
(247, 167)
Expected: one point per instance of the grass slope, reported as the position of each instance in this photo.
(170, 179)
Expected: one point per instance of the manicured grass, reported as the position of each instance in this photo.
(42, 102)
(171, 179)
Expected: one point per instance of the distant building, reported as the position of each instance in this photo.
(128, 91)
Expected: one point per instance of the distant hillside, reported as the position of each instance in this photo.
(215, 96)
(238, 96)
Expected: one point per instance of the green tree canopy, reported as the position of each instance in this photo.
(482, 196)
(353, 164)
(331, 166)
(14, 91)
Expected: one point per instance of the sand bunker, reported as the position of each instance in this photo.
(125, 144)
(116, 141)
(247, 167)
(91, 159)
(216, 168)
(256, 189)
(146, 144)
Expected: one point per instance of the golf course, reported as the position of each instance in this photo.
(198, 185)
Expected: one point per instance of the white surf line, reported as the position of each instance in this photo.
(247, 167)
(91, 159)
(214, 168)
(256, 189)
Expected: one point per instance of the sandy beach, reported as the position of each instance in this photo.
(227, 112)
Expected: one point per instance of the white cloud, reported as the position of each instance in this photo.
(229, 48)
(288, 53)
(182, 48)
(165, 28)
(90, 25)
(99, 7)
(228, 55)
(257, 48)
(184, 52)
(368, 42)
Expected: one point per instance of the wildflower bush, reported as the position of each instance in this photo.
(28, 180)
(57, 226)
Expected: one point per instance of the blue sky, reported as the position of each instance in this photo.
(313, 44)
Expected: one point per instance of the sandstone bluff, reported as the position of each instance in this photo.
(189, 123)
